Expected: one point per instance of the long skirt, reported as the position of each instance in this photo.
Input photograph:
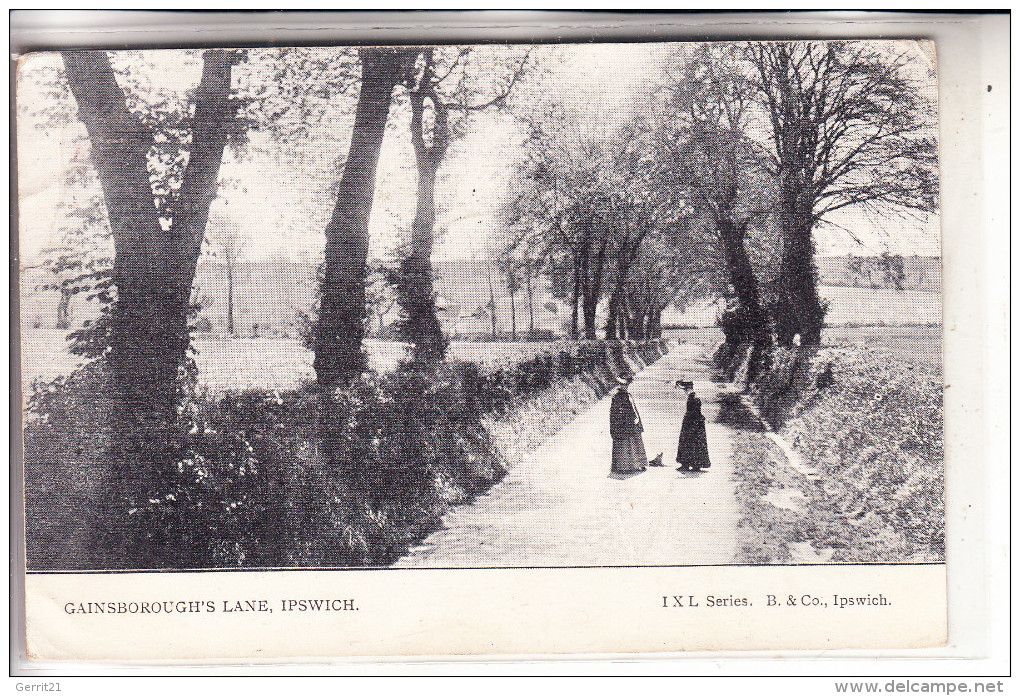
(629, 454)
(692, 450)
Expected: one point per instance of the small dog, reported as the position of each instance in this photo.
(685, 384)
(657, 461)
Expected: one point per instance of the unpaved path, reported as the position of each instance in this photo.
(560, 507)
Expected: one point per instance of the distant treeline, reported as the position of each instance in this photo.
(269, 293)
(888, 271)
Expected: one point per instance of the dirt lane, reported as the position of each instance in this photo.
(559, 507)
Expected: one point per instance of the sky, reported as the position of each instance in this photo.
(281, 211)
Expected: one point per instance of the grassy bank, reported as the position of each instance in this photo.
(866, 481)
(267, 478)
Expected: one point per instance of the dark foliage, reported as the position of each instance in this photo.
(419, 320)
(267, 479)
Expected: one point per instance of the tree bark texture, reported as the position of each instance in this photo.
(416, 292)
(153, 267)
(593, 270)
(340, 327)
(754, 326)
(654, 328)
(798, 308)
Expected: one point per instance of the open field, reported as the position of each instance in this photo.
(281, 363)
(846, 305)
(864, 305)
(243, 363)
(906, 324)
(916, 344)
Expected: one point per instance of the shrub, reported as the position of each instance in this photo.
(66, 432)
(267, 478)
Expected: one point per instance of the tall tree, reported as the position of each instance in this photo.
(492, 297)
(340, 327)
(641, 206)
(509, 268)
(448, 85)
(716, 169)
(849, 125)
(416, 292)
(523, 248)
(157, 236)
(569, 182)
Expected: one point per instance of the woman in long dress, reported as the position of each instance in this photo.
(692, 450)
(625, 427)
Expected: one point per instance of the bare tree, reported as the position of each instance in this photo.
(509, 267)
(849, 126)
(492, 297)
(568, 192)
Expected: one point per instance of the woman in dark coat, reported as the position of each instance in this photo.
(625, 427)
(692, 451)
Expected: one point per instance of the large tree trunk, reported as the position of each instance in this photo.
(655, 323)
(753, 320)
(637, 325)
(635, 318)
(213, 113)
(798, 307)
(153, 270)
(623, 317)
(586, 309)
(614, 315)
(589, 307)
(615, 326)
(340, 327)
(416, 292)
(593, 270)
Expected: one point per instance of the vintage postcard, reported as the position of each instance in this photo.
(481, 349)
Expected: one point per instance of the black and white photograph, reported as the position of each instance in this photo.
(481, 306)
(381, 342)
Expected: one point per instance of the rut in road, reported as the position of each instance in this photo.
(560, 507)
